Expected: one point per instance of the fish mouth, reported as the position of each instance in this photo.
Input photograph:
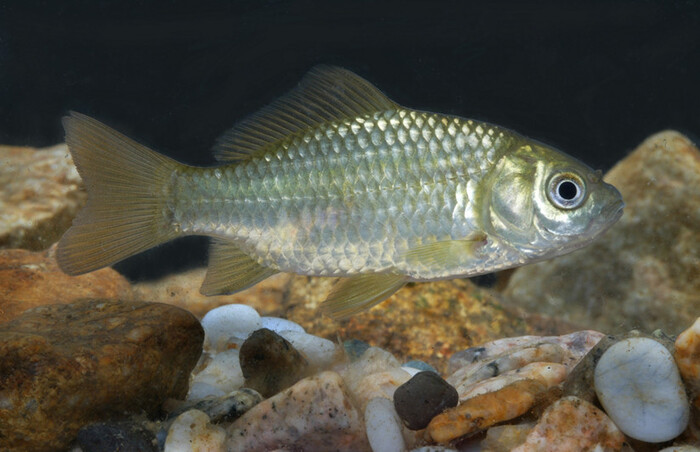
(607, 217)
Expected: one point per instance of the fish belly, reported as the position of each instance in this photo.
(347, 198)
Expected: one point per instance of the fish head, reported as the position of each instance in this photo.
(545, 203)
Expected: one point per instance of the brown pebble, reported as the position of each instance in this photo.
(485, 410)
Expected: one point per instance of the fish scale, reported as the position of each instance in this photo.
(335, 189)
(335, 179)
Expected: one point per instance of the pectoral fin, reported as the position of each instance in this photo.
(231, 270)
(358, 293)
(447, 253)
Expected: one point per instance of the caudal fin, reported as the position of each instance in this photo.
(127, 186)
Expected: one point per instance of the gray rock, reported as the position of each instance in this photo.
(223, 409)
(117, 437)
(270, 363)
(642, 273)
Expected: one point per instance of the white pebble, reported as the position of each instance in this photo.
(638, 384)
(200, 390)
(383, 426)
(320, 352)
(192, 431)
(233, 320)
(411, 370)
(223, 371)
(277, 325)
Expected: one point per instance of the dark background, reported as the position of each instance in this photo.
(593, 78)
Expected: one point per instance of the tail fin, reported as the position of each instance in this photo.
(127, 186)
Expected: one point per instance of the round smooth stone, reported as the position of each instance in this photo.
(422, 398)
(319, 351)
(638, 384)
(232, 320)
(192, 431)
(223, 371)
(420, 365)
(278, 324)
(383, 426)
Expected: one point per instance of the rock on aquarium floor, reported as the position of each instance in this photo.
(444, 366)
(264, 383)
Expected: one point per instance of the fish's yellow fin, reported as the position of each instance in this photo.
(325, 94)
(127, 186)
(447, 253)
(355, 294)
(231, 270)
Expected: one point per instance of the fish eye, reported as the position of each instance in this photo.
(566, 191)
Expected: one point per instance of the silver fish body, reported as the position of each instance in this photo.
(336, 180)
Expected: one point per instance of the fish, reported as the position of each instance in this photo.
(335, 179)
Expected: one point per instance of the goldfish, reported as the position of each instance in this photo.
(335, 179)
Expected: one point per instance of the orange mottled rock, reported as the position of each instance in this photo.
(29, 279)
(485, 410)
(425, 321)
(64, 366)
(687, 356)
(40, 193)
(570, 425)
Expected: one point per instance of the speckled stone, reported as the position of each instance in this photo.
(423, 321)
(643, 272)
(317, 413)
(40, 194)
(638, 384)
(30, 279)
(270, 363)
(422, 398)
(571, 425)
(193, 431)
(64, 366)
(485, 410)
(504, 438)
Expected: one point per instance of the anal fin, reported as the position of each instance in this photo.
(358, 293)
(231, 270)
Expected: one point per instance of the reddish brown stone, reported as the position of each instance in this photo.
(29, 279)
(64, 366)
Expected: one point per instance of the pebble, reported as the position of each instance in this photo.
(317, 413)
(423, 397)
(270, 363)
(687, 355)
(318, 351)
(638, 384)
(116, 437)
(223, 372)
(355, 348)
(420, 365)
(192, 431)
(504, 438)
(575, 345)
(223, 409)
(465, 377)
(235, 321)
(278, 325)
(549, 374)
(571, 424)
(383, 426)
(66, 366)
(485, 410)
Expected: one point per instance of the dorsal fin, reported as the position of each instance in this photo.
(325, 94)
